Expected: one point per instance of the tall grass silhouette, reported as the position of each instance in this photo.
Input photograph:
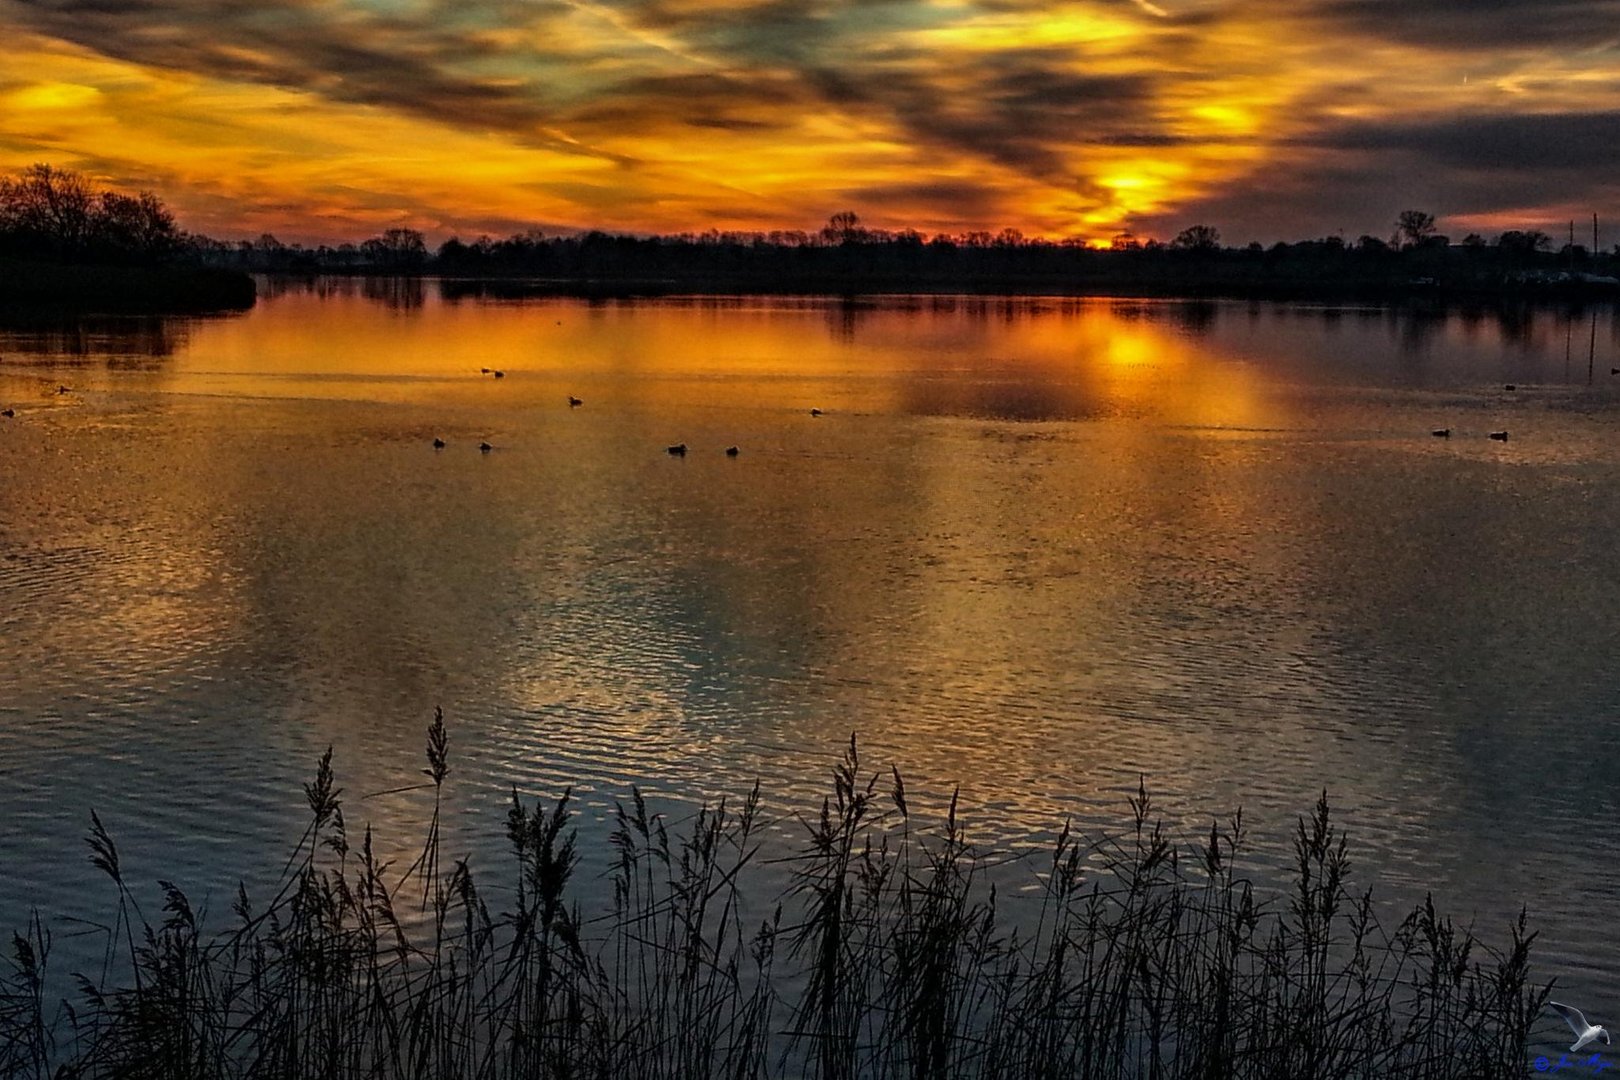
(889, 954)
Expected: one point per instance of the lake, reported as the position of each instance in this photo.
(1037, 548)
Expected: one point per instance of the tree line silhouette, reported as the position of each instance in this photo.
(65, 243)
(845, 255)
(56, 213)
(47, 213)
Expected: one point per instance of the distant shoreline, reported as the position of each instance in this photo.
(1518, 266)
(28, 287)
(509, 287)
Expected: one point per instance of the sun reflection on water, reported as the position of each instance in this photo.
(1035, 547)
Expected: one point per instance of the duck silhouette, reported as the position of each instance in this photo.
(438, 444)
(499, 374)
(1441, 433)
(815, 412)
(8, 413)
(1499, 436)
(678, 450)
(1510, 386)
(732, 451)
(574, 402)
(485, 447)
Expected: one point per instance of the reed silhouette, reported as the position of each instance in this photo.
(890, 954)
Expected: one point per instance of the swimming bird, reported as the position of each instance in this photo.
(438, 444)
(499, 374)
(1584, 1032)
(1614, 371)
(485, 447)
(8, 413)
(815, 412)
(1510, 386)
(732, 451)
(1499, 436)
(1441, 433)
(483, 371)
(574, 402)
(63, 390)
(679, 449)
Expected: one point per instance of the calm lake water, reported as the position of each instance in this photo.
(1037, 548)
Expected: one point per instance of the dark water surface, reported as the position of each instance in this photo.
(1034, 547)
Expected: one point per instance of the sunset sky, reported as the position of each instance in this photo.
(333, 119)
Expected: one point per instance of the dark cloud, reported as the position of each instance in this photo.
(1292, 199)
(772, 28)
(1355, 178)
(1148, 139)
(721, 101)
(727, 123)
(406, 65)
(685, 15)
(1017, 108)
(1580, 141)
(1447, 25)
(1027, 83)
(964, 123)
(953, 199)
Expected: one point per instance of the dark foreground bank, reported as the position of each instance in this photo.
(887, 956)
(93, 288)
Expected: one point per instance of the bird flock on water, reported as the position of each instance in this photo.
(679, 449)
(674, 450)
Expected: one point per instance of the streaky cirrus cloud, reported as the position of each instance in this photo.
(323, 119)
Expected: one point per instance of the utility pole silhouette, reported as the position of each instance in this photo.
(1569, 346)
(1591, 350)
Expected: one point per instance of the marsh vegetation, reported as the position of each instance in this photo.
(890, 954)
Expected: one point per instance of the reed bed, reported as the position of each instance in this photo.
(889, 954)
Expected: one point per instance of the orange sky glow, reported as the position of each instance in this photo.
(326, 120)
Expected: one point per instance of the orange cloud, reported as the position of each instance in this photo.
(333, 120)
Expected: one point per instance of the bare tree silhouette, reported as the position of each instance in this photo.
(55, 212)
(1197, 238)
(396, 249)
(843, 227)
(1412, 228)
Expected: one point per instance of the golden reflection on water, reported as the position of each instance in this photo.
(1035, 547)
(952, 356)
(926, 551)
